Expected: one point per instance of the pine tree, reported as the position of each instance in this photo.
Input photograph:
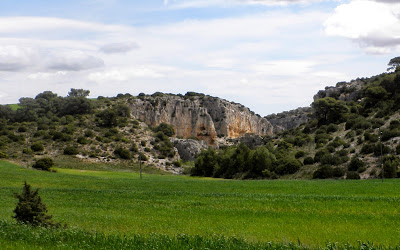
(30, 208)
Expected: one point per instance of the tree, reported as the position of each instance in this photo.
(78, 93)
(329, 110)
(30, 208)
(394, 63)
(44, 164)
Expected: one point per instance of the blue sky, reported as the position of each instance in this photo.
(270, 55)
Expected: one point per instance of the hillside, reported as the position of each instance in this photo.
(160, 128)
(350, 131)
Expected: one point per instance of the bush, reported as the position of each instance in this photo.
(308, 161)
(89, 133)
(338, 172)
(288, 166)
(142, 157)
(134, 148)
(167, 129)
(82, 140)
(3, 155)
(332, 128)
(30, 208)
(22, 129)
(37, 147)
(27, 151)
(43, 164)
(353, 175)
(324, 172)
(355, 164)
(299, 154)
(329, 159)
(71, 150)
(123, 153)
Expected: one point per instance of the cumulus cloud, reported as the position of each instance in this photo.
(16, 58)
(373, 24)
(123, 47)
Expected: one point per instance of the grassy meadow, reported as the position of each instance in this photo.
(119, 204)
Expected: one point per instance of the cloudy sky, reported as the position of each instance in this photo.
(270, 55)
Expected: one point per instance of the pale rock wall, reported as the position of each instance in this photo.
(203, 117)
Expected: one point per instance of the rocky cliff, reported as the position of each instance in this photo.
(200, 116)
(289, 119)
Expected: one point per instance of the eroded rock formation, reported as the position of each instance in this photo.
(200, 116)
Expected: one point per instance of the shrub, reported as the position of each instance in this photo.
(71, 150)
(134, 148)
(299, 154)
(44, 164)
(353, 175)
(390, 165)
(37, 147)
(355, 164)
(338, 172)
(308, 161)
(388, 134)
(123, 153)
(323, 172)
(329, 159)
(167, 129)
(82, 140)
(332, 128)
(89, 133)
(319, 154)
(22, 129)
(30, 208)
(27, 151)
(142, 157)
(288, 166)
(3, 155)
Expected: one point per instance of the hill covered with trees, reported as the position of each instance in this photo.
(351, 130)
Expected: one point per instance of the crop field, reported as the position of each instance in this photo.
(120, 204)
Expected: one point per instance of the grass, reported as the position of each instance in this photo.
(119, 204)
(14, 106)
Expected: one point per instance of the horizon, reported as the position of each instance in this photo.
(269, 55)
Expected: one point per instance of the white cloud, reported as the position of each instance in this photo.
(121, 47)
(46, 75)
(126, 74)
(375, 25)
(181, 4)
(73, 61)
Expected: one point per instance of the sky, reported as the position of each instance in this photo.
(269, 55)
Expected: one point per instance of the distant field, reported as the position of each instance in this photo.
(119, 203)
(14, 106)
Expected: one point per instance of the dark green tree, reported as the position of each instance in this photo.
(394, 63)
(78, 93)
(44, 164)
(329, 110)
(30, 208)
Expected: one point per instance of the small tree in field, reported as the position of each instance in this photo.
(30, 208)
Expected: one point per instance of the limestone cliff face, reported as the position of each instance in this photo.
(289, 119)
(200, 116)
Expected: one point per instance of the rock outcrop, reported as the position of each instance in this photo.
(345, 91)
(200, 116)
(188, 149)
(289, 119)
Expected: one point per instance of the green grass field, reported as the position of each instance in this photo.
(282, 211)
